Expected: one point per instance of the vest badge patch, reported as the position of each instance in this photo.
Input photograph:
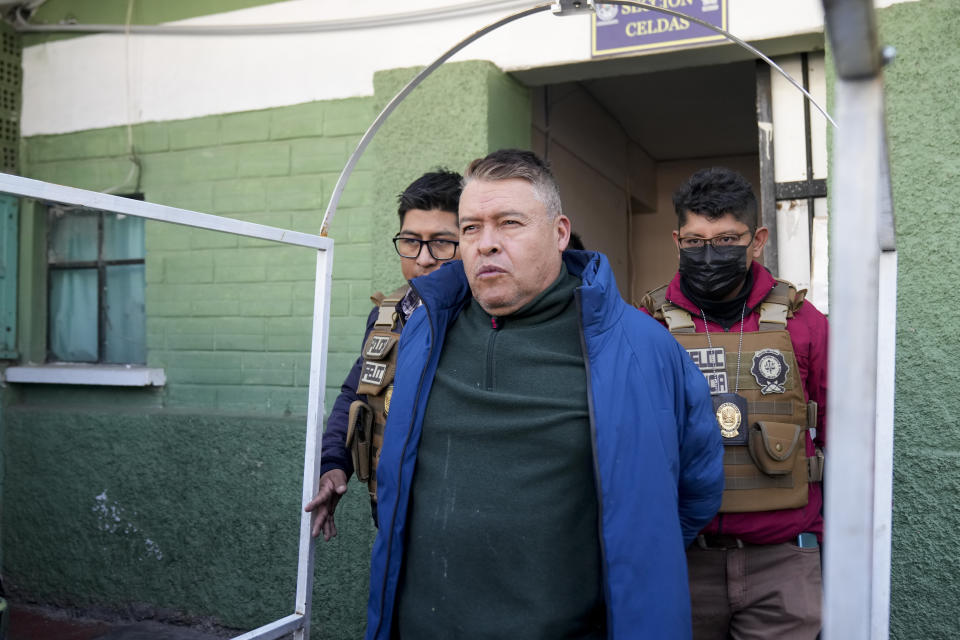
(717, 381)
(709, 359)
(378, 346)
(712, 362)
(372, 373)
(770, 370)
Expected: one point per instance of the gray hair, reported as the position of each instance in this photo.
(506, 164)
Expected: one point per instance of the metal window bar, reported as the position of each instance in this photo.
(297, 623)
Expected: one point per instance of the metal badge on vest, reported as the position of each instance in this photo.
(368, 419)
(730, 408)
(765, 461)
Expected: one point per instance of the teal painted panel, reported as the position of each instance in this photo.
(9, 215)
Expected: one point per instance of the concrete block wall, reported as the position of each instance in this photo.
(923, 124)
(205, 473)
(229, 318)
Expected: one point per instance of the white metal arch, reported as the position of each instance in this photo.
(559, 8)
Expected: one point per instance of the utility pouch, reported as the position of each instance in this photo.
(378, 367)
(359, 435)
(774, 447)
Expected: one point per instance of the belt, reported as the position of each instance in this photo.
(711, 541)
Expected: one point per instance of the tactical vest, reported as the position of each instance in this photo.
(764, 459)
(379, 365)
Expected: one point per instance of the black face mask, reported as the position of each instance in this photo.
(713, 272)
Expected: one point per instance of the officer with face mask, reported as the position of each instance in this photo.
(755, 569)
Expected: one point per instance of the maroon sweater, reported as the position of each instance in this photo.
(808, 331)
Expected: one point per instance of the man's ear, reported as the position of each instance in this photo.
(676, 240)
(760, 237)
(563, 232)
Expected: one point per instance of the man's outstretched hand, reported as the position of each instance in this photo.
(333, 484)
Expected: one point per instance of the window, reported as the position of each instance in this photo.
(95, 270)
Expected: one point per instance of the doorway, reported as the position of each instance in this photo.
(620, 146)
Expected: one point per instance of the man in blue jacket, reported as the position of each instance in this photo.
(549, 450)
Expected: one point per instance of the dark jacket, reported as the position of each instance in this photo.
(657, 451)
(334, 454)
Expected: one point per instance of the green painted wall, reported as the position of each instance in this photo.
(115, 12)
(923, 115)
(185, 499)
(461, 112)
(177, 514)
(11, 60)
(228, 317)
(209, 467)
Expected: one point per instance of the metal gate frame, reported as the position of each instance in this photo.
(863, 311)
(299, 621)
(862, 360)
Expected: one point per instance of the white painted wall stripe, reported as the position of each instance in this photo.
(82, 83)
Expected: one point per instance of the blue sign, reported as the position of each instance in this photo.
(625, 28)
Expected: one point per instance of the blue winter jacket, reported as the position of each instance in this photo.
(657, 451)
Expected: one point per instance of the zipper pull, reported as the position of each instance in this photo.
(493, 323)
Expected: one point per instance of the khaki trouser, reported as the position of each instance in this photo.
(755, 592)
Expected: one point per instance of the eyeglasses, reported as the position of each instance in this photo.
(411, 247)
(726, 240)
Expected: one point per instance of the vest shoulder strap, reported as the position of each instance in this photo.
(388, 305)
(677, 320)
(653, 300)
(780, 305)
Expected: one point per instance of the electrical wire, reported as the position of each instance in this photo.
(136, 167)
(343, 24)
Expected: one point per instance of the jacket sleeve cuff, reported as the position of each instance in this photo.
(336, 464)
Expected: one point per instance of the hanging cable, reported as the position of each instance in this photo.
(343, 24)
(136, 168)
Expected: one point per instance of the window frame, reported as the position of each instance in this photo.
(100, 264)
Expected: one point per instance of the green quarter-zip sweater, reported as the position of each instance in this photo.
(503, 537)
